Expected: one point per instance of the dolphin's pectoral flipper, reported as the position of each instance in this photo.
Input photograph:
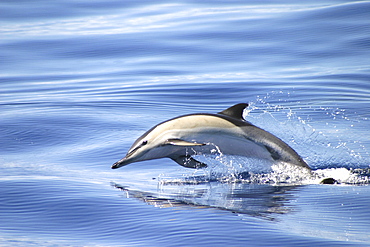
(188, 161)
(179, 142)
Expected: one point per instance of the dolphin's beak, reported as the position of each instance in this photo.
(121, 162)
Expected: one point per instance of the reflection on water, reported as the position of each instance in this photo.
(257, 200)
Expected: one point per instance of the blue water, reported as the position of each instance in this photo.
(81, 80)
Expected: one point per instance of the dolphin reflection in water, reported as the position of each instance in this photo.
(227, 132)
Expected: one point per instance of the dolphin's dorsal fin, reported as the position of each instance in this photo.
(236, 111)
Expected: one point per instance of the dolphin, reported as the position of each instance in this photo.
(226, 132)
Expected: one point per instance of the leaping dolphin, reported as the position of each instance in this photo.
(226, 132)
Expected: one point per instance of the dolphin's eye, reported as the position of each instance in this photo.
(144, 143)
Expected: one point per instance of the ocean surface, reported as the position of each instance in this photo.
(81, 80)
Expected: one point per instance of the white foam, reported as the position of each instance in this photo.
(238, 169)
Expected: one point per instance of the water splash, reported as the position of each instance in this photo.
(325, 136)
